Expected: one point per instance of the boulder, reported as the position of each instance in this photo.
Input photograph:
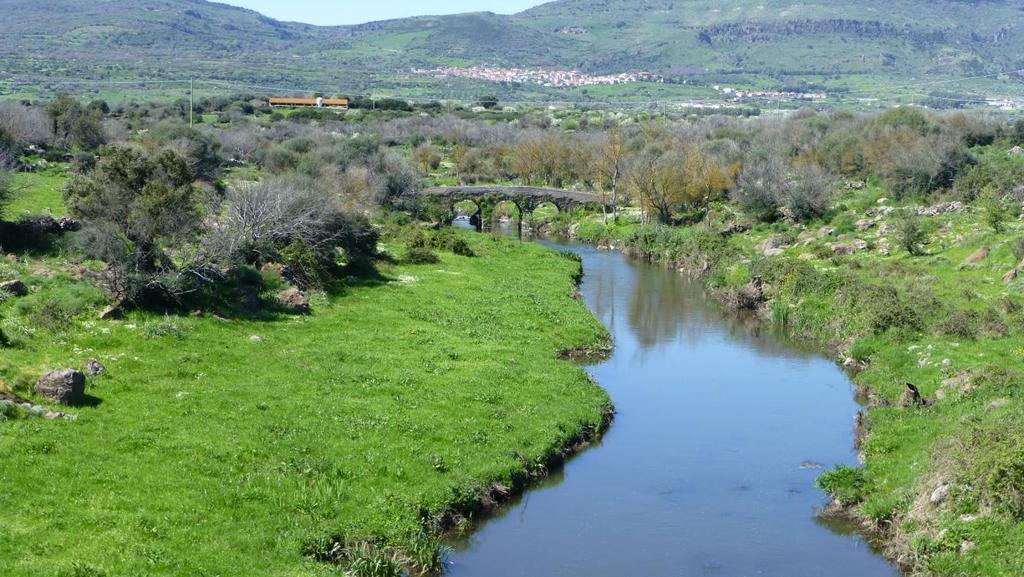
(977, 256)
(66, 386)
(294, 300)
(14, 288)
(939, 495)
(864, 224)
(94, 367)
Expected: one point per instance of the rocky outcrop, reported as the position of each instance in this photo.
(66, 386)
(294, 300)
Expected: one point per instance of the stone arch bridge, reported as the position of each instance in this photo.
(486, 198)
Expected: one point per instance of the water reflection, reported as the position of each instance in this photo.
(700, 475)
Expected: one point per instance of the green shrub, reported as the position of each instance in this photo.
(846, 484)
(1017, 247)
(960, 325)
(888, 311)
(450, 240)
(910, 231)
(420, 255)
(54, 310)
(991, 457)
(165, 327)
(865, 347)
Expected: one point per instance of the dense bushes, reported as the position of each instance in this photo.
(137, 210)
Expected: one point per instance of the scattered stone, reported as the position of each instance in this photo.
(970, 517)
(997, 404)
(977, 256)
(66, 386)
(256, 339)
(940, 494)
(735, 228)
(860, 244)
(773, 251)
(966, 546)
(1016, 150)
(864, 224)
(94, 367)
(841, 249)
(806, 256)
(826, 231)
(885, 228)
(112, 312)
(942, 208)
(294, 300)
(14, 288)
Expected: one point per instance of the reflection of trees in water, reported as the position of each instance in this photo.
(665, 307)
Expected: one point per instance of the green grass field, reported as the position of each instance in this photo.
(37, 193)
(206, 451)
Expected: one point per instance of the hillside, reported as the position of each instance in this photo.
(869, 45)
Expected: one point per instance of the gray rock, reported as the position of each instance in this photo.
(94, 367)
(66, 386)
(939, 495)
(14, 287)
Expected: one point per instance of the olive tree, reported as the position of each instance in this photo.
(138, 210)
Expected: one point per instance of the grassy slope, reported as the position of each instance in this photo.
(36, 194)
(910, 451)
(212, 454)
(931, 40)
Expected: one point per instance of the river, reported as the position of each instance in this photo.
(710, 464)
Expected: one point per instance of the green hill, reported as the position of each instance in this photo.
(868, 47)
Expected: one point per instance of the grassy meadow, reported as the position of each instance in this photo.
(237, 447)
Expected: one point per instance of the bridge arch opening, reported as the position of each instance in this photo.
(468, 212)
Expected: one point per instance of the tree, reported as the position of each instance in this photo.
(609, 163)
(490, 101)
(137, 210)
(668, 181)
(760, 186)
(809, 193)
(74, 124)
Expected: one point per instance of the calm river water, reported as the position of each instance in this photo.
(708, 468)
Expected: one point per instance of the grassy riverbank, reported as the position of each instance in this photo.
(942, 482)
(215, 447)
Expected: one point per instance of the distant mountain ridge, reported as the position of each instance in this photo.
(862, 45)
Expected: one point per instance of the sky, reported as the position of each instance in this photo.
(329, 13)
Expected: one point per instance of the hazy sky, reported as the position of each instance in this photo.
(328, 12)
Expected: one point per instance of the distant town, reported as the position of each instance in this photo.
(550, 78)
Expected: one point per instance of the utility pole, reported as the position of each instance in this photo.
(191, 101)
